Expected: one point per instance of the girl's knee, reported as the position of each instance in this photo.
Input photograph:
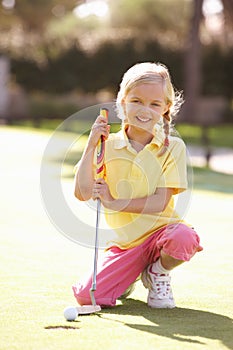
(181, 242)
(185, 235)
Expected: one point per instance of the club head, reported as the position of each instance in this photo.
(88, 309)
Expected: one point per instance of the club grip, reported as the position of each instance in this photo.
(101, 148)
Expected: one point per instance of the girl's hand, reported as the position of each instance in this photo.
(101, 190)
(100, 127)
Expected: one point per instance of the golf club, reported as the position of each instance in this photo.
(71, 313)
(99, 174)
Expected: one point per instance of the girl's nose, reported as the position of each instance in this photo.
(146, 109)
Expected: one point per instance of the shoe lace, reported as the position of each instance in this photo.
(162, 286)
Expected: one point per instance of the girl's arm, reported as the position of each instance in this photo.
(152, 204)
(84, 178)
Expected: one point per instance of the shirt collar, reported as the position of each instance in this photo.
(122, 140)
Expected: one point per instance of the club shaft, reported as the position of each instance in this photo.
(99, 173)
(93, 288)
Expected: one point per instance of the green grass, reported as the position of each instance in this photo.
(39, 265)
(209, 180)
(219, 136)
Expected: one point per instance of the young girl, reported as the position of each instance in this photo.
(145, 168)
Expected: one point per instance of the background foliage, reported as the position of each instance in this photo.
(53, 51)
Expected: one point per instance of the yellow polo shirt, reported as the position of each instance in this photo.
(131, 174)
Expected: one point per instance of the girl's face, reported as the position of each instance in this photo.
(144, 105)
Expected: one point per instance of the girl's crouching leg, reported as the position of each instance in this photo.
(82, 294)
(180, 241)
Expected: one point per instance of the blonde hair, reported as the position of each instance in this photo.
(148, 72)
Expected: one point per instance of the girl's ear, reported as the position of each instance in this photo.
(122, 110)
(123, 106)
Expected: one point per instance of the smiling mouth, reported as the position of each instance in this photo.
(143, 120)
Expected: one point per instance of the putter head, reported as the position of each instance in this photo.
(88, 309)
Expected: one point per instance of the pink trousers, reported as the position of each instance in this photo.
(120, 268)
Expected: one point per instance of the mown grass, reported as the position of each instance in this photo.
(210, 180)
(219, 135)
(39, 265)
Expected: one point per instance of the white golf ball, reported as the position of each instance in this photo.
(70, 313)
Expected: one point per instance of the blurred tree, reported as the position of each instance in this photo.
(34, 15)
(193, 72)
(167, 21)
(192, 67)
(47, 37)
(228, 21)
(24, 24)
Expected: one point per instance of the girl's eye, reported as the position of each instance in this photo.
(135, 101)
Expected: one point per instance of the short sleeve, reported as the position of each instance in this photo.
(174, 169)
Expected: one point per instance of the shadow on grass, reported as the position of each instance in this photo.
(62, 327)
(180, 324)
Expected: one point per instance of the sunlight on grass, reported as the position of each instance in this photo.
(39, 266)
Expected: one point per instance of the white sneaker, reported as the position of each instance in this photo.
(160, 292)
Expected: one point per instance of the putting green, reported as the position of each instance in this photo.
(39, 265)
